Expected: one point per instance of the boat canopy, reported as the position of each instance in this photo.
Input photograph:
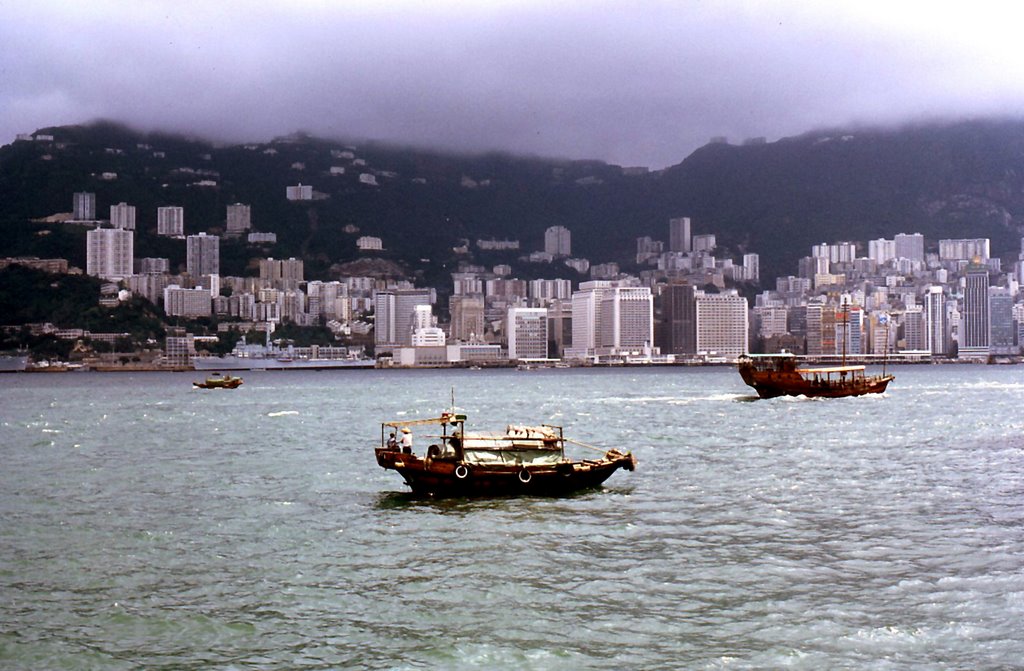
(445, 418)
(831, 369)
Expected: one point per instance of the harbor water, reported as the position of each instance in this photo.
(145, 524)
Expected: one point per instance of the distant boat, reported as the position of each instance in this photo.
(218, 381)
(268, 357)
(522, 460)
(775, 375)
(13, 363)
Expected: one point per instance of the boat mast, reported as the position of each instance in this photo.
(846, 325)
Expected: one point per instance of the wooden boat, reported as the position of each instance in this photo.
(521, 460)
(780, 375)
(218, 381)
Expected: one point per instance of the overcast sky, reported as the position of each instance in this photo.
(641, 83)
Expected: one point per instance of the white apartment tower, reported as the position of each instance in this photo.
(558, 241)
(110, 253)
(202, 255)
(611, 319)
(122, 215)
(170, 221)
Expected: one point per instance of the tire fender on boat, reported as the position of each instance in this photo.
(462, 471)
(525, 476)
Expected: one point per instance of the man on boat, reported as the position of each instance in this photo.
(392, 442)
(406, 440)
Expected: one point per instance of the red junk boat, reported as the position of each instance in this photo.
(780, 375)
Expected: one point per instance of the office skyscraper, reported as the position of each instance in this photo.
(677, 323)
(975, 333)
(936, 323)
(395, 311)
(679, 235)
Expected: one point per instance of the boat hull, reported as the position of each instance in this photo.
(450, 478)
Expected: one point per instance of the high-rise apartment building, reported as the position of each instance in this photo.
(239, 219)
(679, 235)
(965, 249)
(395, 311)
(282, 273)
(527, 330)
(170, 221)
(909, 246)
(975, 326)
(110, 253)
(122, 216)
(558, 241)
(202, 254)
(85, 206)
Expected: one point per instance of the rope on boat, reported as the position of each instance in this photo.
(592, 447)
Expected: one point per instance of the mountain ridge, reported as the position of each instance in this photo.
(963, 179)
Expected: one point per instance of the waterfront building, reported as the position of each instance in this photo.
(915, 329)
(395, 312)
(626, 323)
(679, 235)
(122, 216)
(975, 324)
(84, 204)
(677, 323)
(722, 325)
(110, 253)
(202, 255)
(558, 241)
(1001, 333)
(937, 335)
(559, 328)
(239, 219)
(527, 330)
(170, 221)
(467, 317)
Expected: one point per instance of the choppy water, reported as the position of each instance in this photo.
(148, 525)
